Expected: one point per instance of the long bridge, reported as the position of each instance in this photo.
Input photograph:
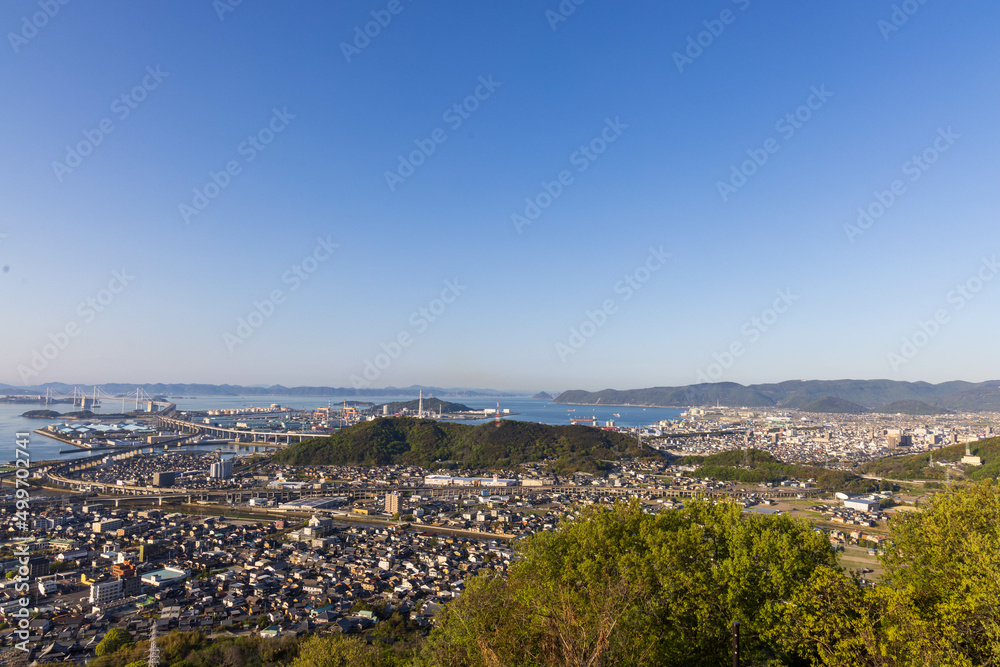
(234, 434)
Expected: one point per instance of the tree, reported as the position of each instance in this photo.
(340, 651)
(115, 639)
(944, 565)
(939, 602)
(623, 587)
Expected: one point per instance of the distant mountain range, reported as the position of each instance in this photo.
(160, 389)
(827, 395)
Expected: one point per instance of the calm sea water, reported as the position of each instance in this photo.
(526, 409)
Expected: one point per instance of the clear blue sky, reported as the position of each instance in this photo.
(857, 294)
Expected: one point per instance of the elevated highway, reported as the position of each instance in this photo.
(237, 435)
(146, 494)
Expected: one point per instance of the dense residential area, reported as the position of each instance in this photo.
(119, 568)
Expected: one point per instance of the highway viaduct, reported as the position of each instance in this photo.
(265, 437)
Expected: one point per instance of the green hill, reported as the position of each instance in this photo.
(722, 393)
(916, 466)
(430, 405)
(432, 444)
(41, 414)
(912, 408)
(834, 405)
(753, 466)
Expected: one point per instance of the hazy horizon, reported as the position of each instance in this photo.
(486, 388)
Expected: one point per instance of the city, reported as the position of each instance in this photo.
(157, 529)
(402, 334)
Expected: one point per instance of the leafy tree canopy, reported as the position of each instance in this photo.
(940, 599)
(115, 639)
(340, 651)
(623, 587)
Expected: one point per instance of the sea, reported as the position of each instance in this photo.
(522, 408)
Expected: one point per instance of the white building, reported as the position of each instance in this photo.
(861, 505)
(221, 470)
(106, 591)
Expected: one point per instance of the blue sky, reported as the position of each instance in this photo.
(525, 302)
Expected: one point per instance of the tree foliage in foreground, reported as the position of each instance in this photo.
(195, 649)
(341, 651)
(114, 639)
(623, 587)
(940, 599)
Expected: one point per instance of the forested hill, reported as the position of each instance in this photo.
(425, 442)
(722, 393)
(912, 408)
(918, 466)
(430, 405)
(751, 466)
(797, 394)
